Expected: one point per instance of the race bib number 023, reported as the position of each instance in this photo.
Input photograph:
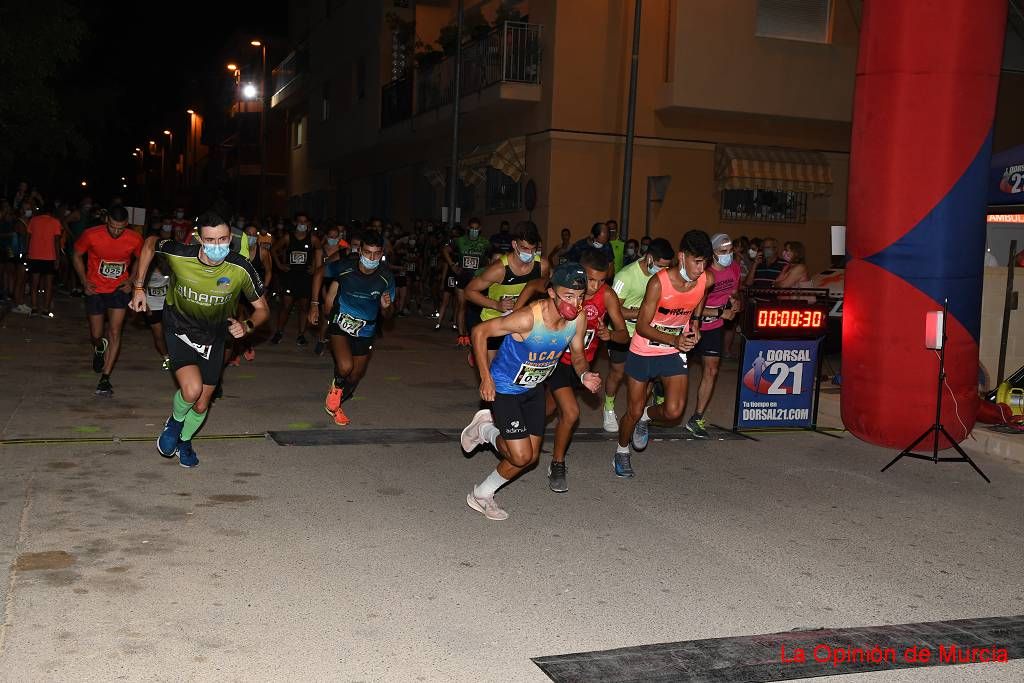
(112, 269)
(532, 375)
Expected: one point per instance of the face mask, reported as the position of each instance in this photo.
(724, 260)
(473, 234)
(598, 244)
(369, 264)
(332, 241)
(165, 228)
(631, 252)
(430, 229)
(643, 249)
(301, 227)
(525, 256)
(412, 243)
(654, 269)
(216, 252)
(752, 253)
(787, 256)
(566, 310)
(769, 254)
(682, 271)
(179, 214)
(28, 214)
(251, 239)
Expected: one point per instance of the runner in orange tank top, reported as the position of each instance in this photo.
(667, 326)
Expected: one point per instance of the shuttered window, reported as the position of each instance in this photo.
(804, 20)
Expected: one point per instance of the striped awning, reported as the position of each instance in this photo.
(772, 168)
(508, 156)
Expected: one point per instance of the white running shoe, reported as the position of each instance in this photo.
(486, 507)
(471, 437)
(611, 422)
(22, 309)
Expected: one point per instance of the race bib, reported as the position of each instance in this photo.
(471, 262)
(508, 297)
(532, 375)
(112, 269)
(202, 349)
(674, 331)
(589, 337)
(297, 258)
(410, 267)
(158, 291)
(350, 325)
(452, 282)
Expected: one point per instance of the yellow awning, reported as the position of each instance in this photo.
(772, 168)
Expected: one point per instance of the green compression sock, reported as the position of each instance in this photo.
(609, 402)
(193, 421)
(181, 407)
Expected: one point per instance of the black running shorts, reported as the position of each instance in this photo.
(98, 304)
(563, 377)
(209, 359)
(617, 351)
(357, 346)
(518, 416)
(710, 343)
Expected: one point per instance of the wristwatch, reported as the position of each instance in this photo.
(249, 327)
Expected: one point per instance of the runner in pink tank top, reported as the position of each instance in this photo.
(667, 326)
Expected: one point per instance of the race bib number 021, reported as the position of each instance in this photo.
(112, 269)
(532, 375)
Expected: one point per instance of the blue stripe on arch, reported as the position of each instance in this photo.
(943, 255)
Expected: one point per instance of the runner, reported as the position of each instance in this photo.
(464, 259)
(259, 258)
(293, 256)
(721, 305)
(359, 292)
(505, 279)
(535, 338)
(630, 286)
(558, 255)
(110, 250)
(332, 248)
(207, 279)
(667, 326)
(182, 227)
(156, 293)
(563, 382)
(45, 245)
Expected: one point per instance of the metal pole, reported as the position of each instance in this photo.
(453, 175)
(627, 170)
(1008, 306)
(263, 139)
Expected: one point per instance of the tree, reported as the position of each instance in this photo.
(38, 41)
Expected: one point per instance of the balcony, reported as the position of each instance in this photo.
(510, 55)
(289, 76)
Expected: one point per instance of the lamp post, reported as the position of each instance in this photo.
(264, 107)
(188, 146)
(174, 167)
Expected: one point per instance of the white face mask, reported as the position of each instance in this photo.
(752, 253)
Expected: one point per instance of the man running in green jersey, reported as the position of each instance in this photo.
(207, 279)
(464, 259)
(630, 285)
(497, 289)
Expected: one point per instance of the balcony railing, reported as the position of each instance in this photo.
(288, 73)
(511, 53)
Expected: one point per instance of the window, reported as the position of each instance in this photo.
(503, 194)
(764, 206)
(325, 101)
(298, 132)
(804, 20)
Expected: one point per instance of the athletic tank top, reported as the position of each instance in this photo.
(671, 317)
(727, 281)
(510, 287)
(298, 254)
(595, 310)
(523, 365)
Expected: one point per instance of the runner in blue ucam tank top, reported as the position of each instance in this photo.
(537, 336)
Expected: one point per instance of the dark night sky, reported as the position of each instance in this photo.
(154, 62)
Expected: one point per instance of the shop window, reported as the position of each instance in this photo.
(504, 195)
(764, 206)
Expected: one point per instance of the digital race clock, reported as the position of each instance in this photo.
(785, 320)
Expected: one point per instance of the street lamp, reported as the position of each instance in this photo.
(232, 66)
(264, 107)
(84, 183)
(249, 91)
(190, 112)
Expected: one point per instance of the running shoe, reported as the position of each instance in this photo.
(437, 326)
(104, 388)
(698, 426)
(556, 477)
(623, 468)
(49, 314)
(333, 400)
(301, 340)
(641, 434)
(167, 442)
(276, 339)
(471, 360)
(34, 313)
(471, 436)
(22, 309)
(249, 354)
(186, 456)
(611, 422)
(99, 355)
(166, 365)
(486, 506)
(235, 361)
(340, 418)
(319, 348)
